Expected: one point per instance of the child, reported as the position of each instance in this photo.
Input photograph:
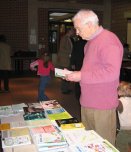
(44, 67)
(129, 147)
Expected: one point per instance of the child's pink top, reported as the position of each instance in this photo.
(41, 69)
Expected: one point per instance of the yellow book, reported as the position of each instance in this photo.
(4, 126)
(78, 125)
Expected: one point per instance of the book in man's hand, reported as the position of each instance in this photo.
(61, 73)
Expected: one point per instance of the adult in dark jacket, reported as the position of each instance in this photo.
(77, 56)
(5, 64)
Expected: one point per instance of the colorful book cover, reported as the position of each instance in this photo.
(55, 111)
(50, 104)
(62, 115)
(66, 121)
(15, 137)
(78, 125)
(35, 105)
(47, 136)
(81, 136)
(32, 109)
(4, 126)
(34, 115)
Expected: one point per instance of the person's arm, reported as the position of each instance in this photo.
(33, 65)
(107, 72)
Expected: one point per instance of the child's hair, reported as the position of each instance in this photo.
(46, 58)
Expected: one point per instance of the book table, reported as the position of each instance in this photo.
(46, 127)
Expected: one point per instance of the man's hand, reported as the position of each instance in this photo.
(74, 76)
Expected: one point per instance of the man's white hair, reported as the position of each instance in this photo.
(85, 16)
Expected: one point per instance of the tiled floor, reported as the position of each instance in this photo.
(25, 90)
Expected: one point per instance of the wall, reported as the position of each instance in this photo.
(119, 10)
(14, 23)
(22, 20)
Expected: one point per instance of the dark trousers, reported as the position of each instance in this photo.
(4, 76)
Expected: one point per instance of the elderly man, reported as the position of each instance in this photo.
(99, 75)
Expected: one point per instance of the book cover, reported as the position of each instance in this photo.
(78, 125)
(62, 115)
(18, 107)
(18, 124)
(34, 115)
(38, 122)
(93, 147)
(12, 118)
(4, 126)
(47, 136)
(32, 109)
(55, 111)
(50, 104)
(6, 111)
(66, 121)
(34, 104)
(15, 137)
(81, 136)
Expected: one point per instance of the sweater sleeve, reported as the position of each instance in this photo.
(106, 70)
(33, 65)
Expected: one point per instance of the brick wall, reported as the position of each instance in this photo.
(43, 27)
(118, 22)
(14, 23)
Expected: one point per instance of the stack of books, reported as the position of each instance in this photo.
(48, 138)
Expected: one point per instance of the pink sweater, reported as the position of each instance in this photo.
(41, 69)
(100, 71)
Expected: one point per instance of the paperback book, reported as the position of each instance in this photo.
(73, 126)
(18, 107)
(32, 109)
(55, 111)
(50, 104)
(35, 105)
(34, 115)
(62, 115)
(46, 136)
(4, 126)
(61, 73)
(66, 121)
(38, 122)
(15, 137)
(81, 136)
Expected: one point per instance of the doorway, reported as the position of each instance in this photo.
(129, 33)
(58, 23)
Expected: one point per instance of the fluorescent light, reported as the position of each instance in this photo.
(68, 20)
(58, 14)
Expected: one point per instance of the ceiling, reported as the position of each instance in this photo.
(60, 16)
